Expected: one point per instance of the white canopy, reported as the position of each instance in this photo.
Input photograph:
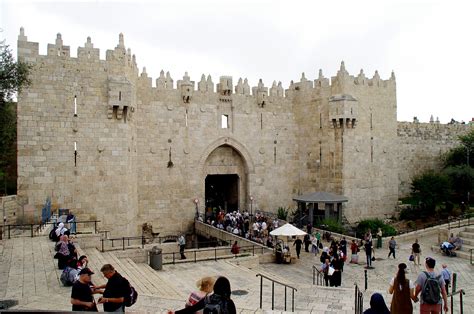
(287, 230)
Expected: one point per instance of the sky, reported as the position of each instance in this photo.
(428, 44)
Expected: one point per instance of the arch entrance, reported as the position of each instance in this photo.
(225, 179)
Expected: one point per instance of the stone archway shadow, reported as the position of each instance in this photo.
(248, 162)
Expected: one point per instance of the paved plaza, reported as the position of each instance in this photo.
(28, 275)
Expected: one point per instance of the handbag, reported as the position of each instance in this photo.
(373, 258)
(411, 258)
(331, 271)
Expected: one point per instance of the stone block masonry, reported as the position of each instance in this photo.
(101, 140)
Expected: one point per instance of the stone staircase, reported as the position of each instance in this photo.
(467, 235)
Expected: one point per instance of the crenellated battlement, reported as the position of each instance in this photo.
(122, 56)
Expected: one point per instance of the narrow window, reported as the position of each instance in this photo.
(261, 121)
(75, 105)
(225, 121)
(88, 55)
(186, 118)
(120, 96)
(320, 120)
(59, 52)
(371, 149)
(371, 121)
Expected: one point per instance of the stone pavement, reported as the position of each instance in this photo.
(28, 274)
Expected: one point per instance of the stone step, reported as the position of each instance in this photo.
(466, 235)
(470, 228)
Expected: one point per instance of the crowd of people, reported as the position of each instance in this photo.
(115, 294)
(255, 228)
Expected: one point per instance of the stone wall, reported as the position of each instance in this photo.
(10, 209)
(421, 147)
(108, 144)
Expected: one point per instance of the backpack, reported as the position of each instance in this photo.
(431, 293)
(68, 276)
(215, 304)
(132, 295)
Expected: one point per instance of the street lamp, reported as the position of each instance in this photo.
(251, 205)
(196, 201)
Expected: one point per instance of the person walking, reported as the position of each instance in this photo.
(354, 251)
(379, 238)
(403, 291)
(218, 302)
(368, 253)
(336, 278)
(429, 286)
(392, 244)
(298, 244)
(416, 252)
(446, 276)
(81, 293)
(307, 242)
(116, 290)
(182, 245)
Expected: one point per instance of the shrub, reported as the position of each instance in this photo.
(374, 225)
(409, 213)
(411, 224)
(282, 213)
(332, 225)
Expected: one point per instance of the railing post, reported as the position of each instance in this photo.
(215, 254)
(173, 259)
(285, 298)
(253, 250)
(95, 226)
(314, 273)
(261, 290)
(366, 281)
(293, 300)
(460, 300)
(273, 295)
(9, 231)
(102, 240)
(455, 279)
(452, 303)
(195, 260)
(123, 243)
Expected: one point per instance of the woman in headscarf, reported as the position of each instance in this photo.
(61, 230)
(63, 254)
(220, 298)
(403, 291)
(377, 305)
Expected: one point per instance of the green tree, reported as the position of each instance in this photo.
(430, 189)
(13, 77)
(463, 154)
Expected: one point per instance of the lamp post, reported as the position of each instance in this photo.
(196, 201)
(467, 162)
(251, 205)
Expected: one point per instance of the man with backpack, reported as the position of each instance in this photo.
(118, 292)
(431, 288)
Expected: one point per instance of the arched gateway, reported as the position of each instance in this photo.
(226, 167)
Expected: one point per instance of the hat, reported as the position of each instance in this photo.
(86, 271)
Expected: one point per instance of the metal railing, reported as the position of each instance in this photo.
(211, 254)
(358, 300)
(458, 222)
(452, 295)
(293, 289)
(36, 228)
(471, 250)
(318, 277)
(124, 241)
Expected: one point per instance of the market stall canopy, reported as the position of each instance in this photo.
(321, 197)
(287, 230)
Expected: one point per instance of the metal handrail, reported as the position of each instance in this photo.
(122, 239)
(252, 249)
(318, 277)
(36, 227)
(459, 219)
(461, 292)
(273, 292)
(358, 300)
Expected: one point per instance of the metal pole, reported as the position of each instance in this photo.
(273, 295)
(366, 281)
(102, 240)
(455, 277)
(195, 256)
(261, 290)
(31, 228)
(285, 298)
(313, 274)
(293, 300)
(460, 300)
(123, 243)
(9, 231)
